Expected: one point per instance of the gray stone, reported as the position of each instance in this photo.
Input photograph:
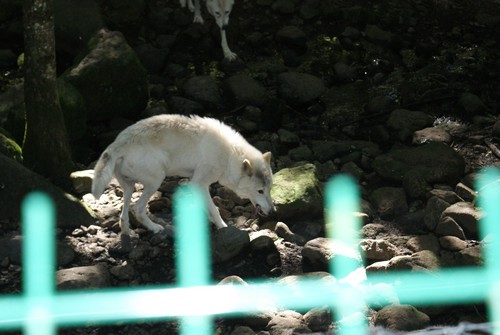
(431, 134)
(389, 202)
(18, 181)
(425, 260)
(82, 181)
(110, 78)
(472, 104)
(83, 277)
(405, 122)
(452, 243)
(433, 210)
(378, 250)
(466, 216)
(318, 319)
(292, 36)
(244, 90)
(295, 87)
(287, 322)
(183, 106)
(203, 89)
(296, 192)
(229, 242)
(401, 318)
(318, 252)
(436, 162)
(449, 227)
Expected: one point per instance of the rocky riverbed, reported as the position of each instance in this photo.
(402, 96)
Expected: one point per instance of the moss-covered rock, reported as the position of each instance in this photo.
(296, 192)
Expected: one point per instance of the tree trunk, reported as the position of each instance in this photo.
(46, 147)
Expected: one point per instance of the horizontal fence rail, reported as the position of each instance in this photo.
(195, 301)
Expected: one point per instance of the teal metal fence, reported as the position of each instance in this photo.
(195, 301)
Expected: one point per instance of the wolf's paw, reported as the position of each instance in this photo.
(156, 228)
(230, 56)
(198, 19)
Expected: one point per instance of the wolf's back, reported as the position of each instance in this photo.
(103, 172)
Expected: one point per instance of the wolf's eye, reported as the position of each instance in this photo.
(261, 191)
(217, 13)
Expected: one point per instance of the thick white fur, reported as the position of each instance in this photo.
(220, 10)
(202, 149)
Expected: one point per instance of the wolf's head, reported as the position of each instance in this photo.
(256, 182)
(220, 10)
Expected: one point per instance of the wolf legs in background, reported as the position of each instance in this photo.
(220, 10)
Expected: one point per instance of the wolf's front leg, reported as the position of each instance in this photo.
(228, 54)
(197, 11)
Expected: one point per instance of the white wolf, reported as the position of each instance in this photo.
(202, 149)
(220, 10)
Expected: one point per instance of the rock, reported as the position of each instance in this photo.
(123, 272)
(242, 89)
(203, 89)
(229, 242)
(449, 227)
(471, 104)
(296, 192)
(426, 260)
(83, 277)
(301, 88)
(405, 122)
(110, 78)
(82, 181)
(318, 319)
(318, 252)
(452, 243)
(17, 182)
(183, 106)
(466, 216)
(389, 202)
(76, 21)
(433, 210)
(382, 37)
(287, 322)
(242, 330)
(423, 242)
(435, 162)
(378, 250)
(283, 6)
(431, 134)
(301, 153)
(344, 72)
(401, 318)
(292, 36)
(284, 232)
(463, 192)
(152, 58)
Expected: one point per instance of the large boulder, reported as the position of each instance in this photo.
(296, 192)
(110, 78)
(432, 163)
(16, 182)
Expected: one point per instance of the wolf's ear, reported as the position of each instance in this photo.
(247, 167)
(267, 157)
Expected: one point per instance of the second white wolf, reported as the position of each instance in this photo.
(202, 149)
(220, 10)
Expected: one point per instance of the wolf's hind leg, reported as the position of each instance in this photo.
(128, 188)
(140, 208)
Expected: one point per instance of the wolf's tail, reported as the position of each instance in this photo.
(103, 172)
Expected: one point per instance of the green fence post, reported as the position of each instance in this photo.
(38, 270)
(192, 251)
